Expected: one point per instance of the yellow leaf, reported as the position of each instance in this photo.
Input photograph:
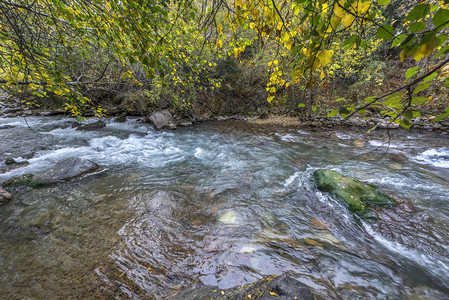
(270, 98)
(362, 7)
(220, 43)
(296, 10)
(348, 19)
(325, 57)
(219, 28)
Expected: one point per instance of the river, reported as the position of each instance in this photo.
(219, 203)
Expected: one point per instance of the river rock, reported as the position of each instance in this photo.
(270, 287)
(4, 196)
(360, 197)
(120, 119)
(92, 126)
(11, 161)
(65, 170)
(162, 119)
(22, 180)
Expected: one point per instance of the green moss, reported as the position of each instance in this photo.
(22, 180)
(359, 196)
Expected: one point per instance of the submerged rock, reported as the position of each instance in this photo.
(65, 170)
(4, 196)
(228, 217)
(162, 119)
(270, 287)
(120, 119)
(92, 126)
(360, 197)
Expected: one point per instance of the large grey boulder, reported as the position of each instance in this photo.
(64, 170)
(270, 287)
(92, 126)
(162, 119)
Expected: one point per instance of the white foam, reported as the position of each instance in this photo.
(291, 179)
(198, 152)
(436, 157)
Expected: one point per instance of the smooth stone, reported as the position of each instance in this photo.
(4, 196)
(92, 126)
(228, 217)
(65, 170)
(247, 249)
(162, 119)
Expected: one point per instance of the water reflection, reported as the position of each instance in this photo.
(222, 204)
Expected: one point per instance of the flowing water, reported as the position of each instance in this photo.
(223, 204)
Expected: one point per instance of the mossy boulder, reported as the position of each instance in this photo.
(360, 196)
(22, 180)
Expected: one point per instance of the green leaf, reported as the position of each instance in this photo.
(419, 100)
(405, 123)
(418, 12)
(332, 113)
(440, 117)
(442, 51)
(301, 105)
(383, 2)
(314, 109)
(431, 77)
(411, 72)
(417, 26)
(440, 17)
(393, 99)
(398, 40)
(373, 128)
(385, 32)
(408, 114)
(421, 87)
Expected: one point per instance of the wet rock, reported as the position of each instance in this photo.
(76, 124)
(162, 119)
(4, 196)
(228, 217)
(92, 126)
(360, 197)
(270, 287)
(120, 119)
(65, 170)
(22, 180)
(11, 161)
(6, 127)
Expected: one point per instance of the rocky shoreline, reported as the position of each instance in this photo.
(163, 119)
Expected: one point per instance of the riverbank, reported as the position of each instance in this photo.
(10, 109)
